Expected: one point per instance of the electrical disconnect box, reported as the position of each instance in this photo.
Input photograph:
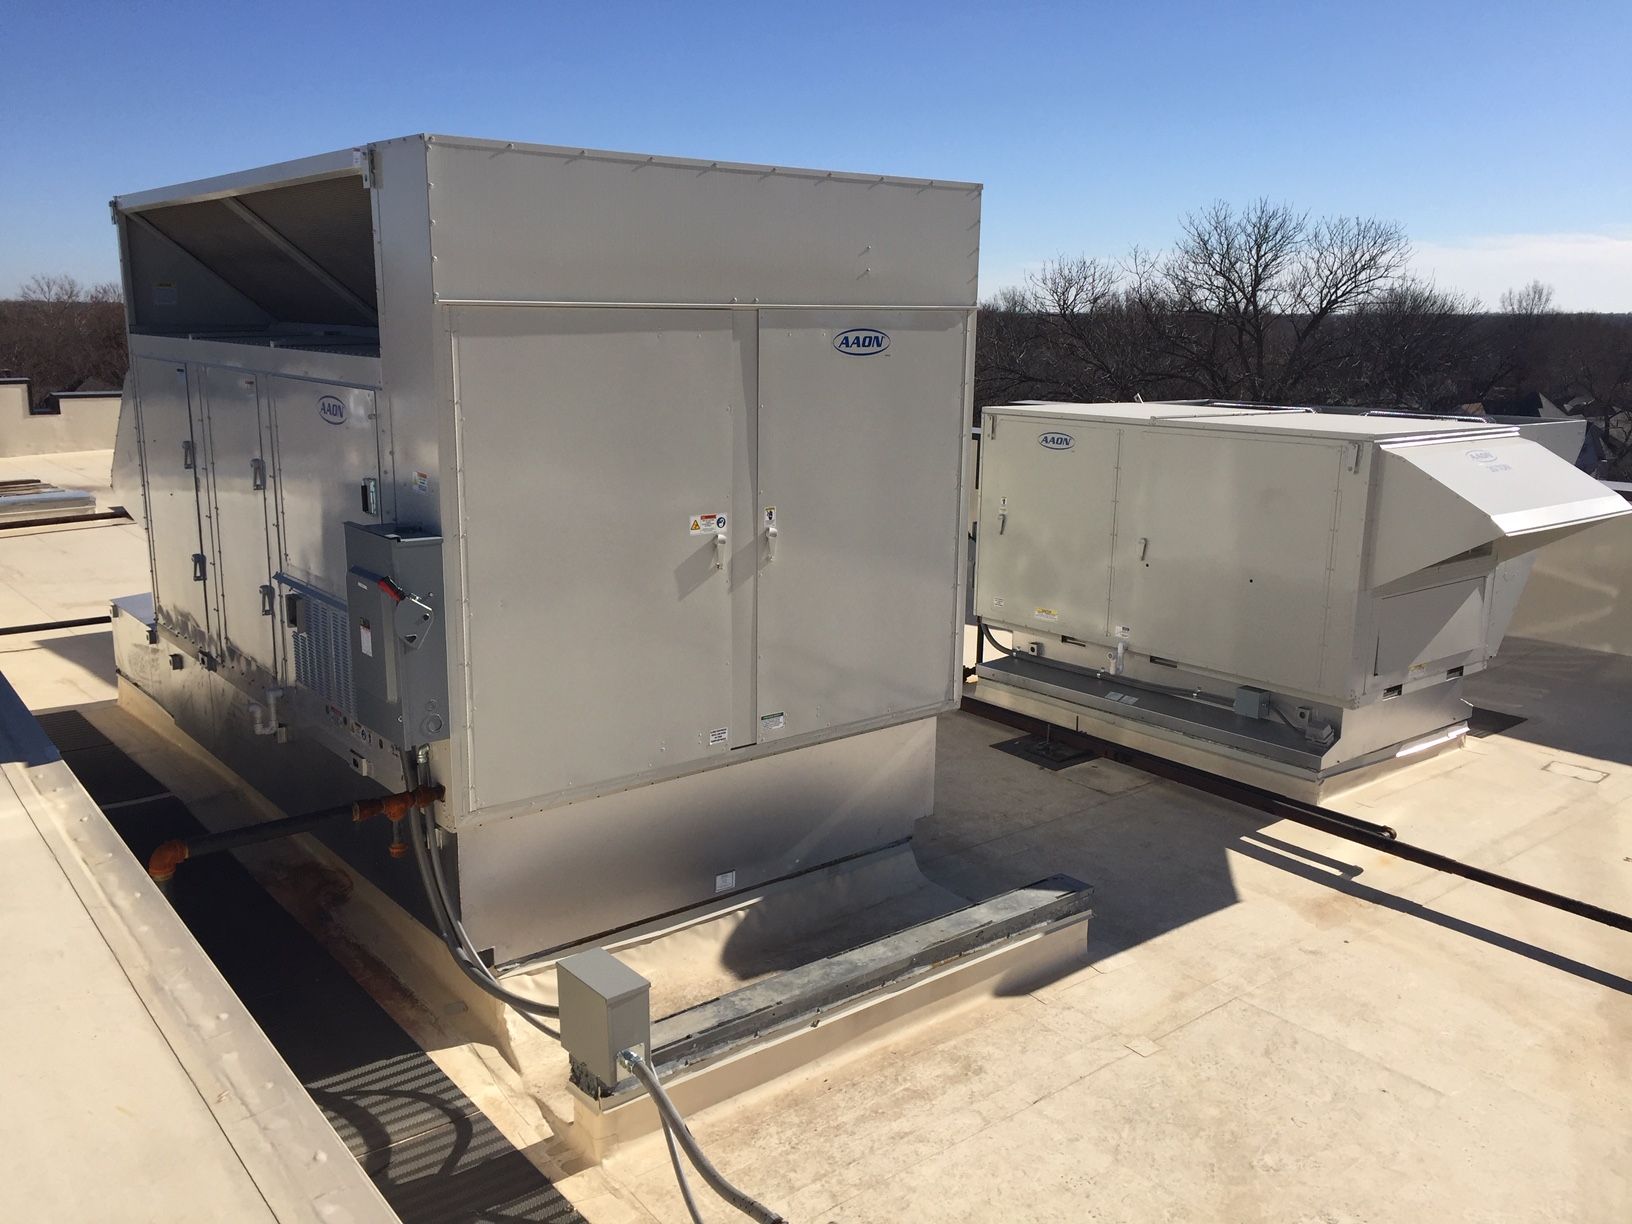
(398, 654)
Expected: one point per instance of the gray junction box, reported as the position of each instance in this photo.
(690, 435)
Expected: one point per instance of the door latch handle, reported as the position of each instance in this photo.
(1144, 543)
(771, 533)
(371, 495)
(719, 550)
(187, 461)
(257, 474)
(268, 601)
(1002, 521)
(198, 567)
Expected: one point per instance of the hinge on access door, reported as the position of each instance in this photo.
(363, 159)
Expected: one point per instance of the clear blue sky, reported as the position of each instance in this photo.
(1499, 134)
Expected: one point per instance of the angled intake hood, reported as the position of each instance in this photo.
(1441, 498)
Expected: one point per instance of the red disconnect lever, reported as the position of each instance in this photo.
(395, 592)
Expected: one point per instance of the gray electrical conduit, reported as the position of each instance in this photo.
(677, 1128)
(459, 945)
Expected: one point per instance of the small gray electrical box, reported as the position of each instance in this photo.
(1252, 702)
(399, 658)
(605, 1009)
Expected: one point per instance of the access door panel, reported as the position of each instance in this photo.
(328, 474)
(598, 623)
(239, 479)
(861, 425)
(170, 466)
(1224, 551)
(1048, 510)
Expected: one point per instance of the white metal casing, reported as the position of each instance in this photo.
(579, 354)
(1338, 558)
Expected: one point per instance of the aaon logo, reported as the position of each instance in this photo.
(332, 409)
(1056, 441)
(861, 341)
(1481, 456)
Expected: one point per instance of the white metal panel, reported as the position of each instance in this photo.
(1442, 499)
(170, 466)
(570, 225)
(327, 445)
(598, 625)
(1048, 512)
(1224, 551)
(860, 457)
(239, 477)
(1421, 628)
(531, 885)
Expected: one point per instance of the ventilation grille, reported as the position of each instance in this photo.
(323, 650)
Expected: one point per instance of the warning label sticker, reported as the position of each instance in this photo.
(707, 524)
(718, 736)
(772, 722)
(365, 633)
(1048, 614)
(422, 482)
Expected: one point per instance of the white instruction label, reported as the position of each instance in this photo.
(366, 635)
(772, 722)
(718, 736)
(997, 601)
(422, 482)
(725, 881)
(164, 293)
(1124, 698)
(707, 524)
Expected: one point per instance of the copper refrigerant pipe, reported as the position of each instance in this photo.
(172, 854)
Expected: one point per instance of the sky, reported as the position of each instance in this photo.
(1499, 135)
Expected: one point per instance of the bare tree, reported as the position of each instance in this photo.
(1261, 293)
(60, 334)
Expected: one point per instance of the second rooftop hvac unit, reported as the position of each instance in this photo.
(626, 488)
(1294, 593)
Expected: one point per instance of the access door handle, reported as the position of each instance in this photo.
(371, 495)
(268, 601)
(771, 533)
(257, 473)
(198, 567)
(719, 550)
(187, 461)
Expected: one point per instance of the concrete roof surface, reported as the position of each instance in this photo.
(1274, 1024)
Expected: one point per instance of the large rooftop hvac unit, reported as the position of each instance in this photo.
(626, 488)
(1296, 593)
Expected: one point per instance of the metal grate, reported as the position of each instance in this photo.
(322, 649)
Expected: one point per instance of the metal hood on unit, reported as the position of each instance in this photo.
(1441, 499)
